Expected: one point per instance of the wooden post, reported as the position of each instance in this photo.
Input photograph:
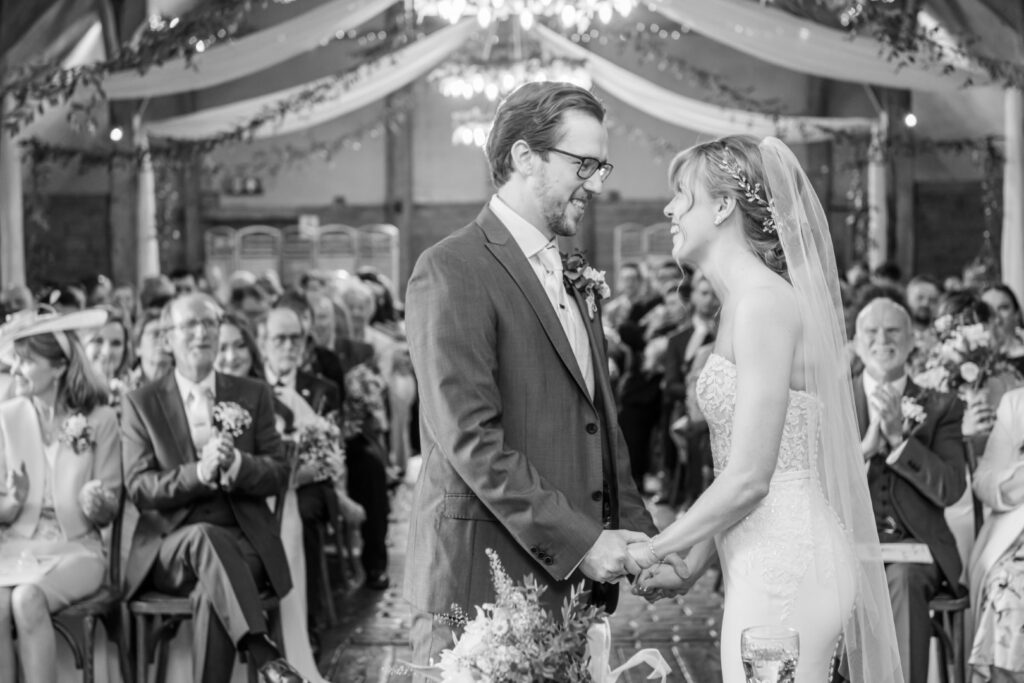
(119, 19)
(1012, 243)
(901, 184)
(399, 195)
(12, 215)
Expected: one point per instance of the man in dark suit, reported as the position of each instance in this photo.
(522, 452)
(916, 468)
(204, 528)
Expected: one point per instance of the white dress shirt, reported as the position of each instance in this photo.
(532, 242)
(201, 395)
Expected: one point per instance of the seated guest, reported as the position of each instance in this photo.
(238, 355)
(996, 570)
(153, 360)
(109, 350)
(282, 342)
(916, 468)
(204, 529)
(1007, 323)
(60, 458)
(317, 359)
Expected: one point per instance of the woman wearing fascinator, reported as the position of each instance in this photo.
(60, 482)
(789, 509)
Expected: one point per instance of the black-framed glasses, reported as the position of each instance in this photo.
(588, 166)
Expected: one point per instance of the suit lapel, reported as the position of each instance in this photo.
(176, 424)
(507, 252)
(860, 401)
(309, 389)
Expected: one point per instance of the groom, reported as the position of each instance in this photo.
(522, 452)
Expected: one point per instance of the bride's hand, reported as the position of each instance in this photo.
(641, 554)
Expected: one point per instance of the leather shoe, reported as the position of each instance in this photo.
(378, 582)
(280, 671)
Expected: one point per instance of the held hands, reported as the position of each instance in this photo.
(608, 560)
(217, 456)
(672, 577)
(643, 554)
(17, 485)
(979, 417)
(886, 402)
(98, 504)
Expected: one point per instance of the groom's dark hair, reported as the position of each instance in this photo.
(533, 113)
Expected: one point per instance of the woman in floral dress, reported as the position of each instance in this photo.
(60, 459)
(996, 570)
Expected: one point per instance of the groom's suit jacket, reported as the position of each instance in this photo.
(515, 451)
(161, 473)
(928, 476)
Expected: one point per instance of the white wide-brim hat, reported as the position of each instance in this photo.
(29, 323)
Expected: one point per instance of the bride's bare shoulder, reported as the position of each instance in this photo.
(771, 304)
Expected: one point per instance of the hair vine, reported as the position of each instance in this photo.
(728, 164)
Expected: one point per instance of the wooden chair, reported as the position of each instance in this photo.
(102, 606)
(948, 627)
(156, 616)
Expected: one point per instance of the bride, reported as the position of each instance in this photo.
(789, 509)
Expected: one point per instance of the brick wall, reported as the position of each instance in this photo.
(66, 239)
(950, 224)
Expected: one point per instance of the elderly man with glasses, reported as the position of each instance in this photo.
(201, 454)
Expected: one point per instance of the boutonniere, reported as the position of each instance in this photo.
(589, 282)
(77, 433)
(230, 419)
(913, 413)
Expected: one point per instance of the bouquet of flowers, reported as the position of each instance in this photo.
(515, 640)
(964, 358)
(230, 419)
(364, 411)
(319, 447)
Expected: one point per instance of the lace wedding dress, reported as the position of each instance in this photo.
(788, 562)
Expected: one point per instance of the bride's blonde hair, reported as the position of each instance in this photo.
(732, 166)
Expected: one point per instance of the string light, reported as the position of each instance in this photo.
(467, 80)
(578, 14)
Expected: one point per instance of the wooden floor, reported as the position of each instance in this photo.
(370, 643)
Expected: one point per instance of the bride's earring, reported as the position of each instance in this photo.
(718, 220)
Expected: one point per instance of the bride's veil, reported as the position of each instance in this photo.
(868, 630)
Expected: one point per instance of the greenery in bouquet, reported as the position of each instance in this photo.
(515, 640)
(319, 447)
(964, 358)
(364, 411)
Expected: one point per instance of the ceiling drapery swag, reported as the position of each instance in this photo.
(777, 37)
(377, 80)
(245, 56)
(687, 112)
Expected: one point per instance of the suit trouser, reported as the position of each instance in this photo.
(219, 570)
(317, 504)
(911, 586)
(368, 486)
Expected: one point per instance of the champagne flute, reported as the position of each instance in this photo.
(770, 654)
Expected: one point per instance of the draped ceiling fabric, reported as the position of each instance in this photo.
(777, 37)
(689, 113)
(377, 80)
(244, 56)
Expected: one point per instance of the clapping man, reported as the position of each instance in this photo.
(205, 529)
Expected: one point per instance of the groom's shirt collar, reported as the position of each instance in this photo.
(530, 239)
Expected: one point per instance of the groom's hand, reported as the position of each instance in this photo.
(608, 559)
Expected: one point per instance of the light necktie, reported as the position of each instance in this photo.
(568, 313)
(199, 410)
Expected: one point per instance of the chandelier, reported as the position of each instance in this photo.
(495, 80)
(470, 127)
(576, 14)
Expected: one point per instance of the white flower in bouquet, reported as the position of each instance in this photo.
(935, 379)
(943, 324)
(319, 447)
(976, 335)
(230, 419)
(970, 371)
(913, 412)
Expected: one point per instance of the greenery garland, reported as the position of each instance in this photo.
(33, 87)
(905, 42)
